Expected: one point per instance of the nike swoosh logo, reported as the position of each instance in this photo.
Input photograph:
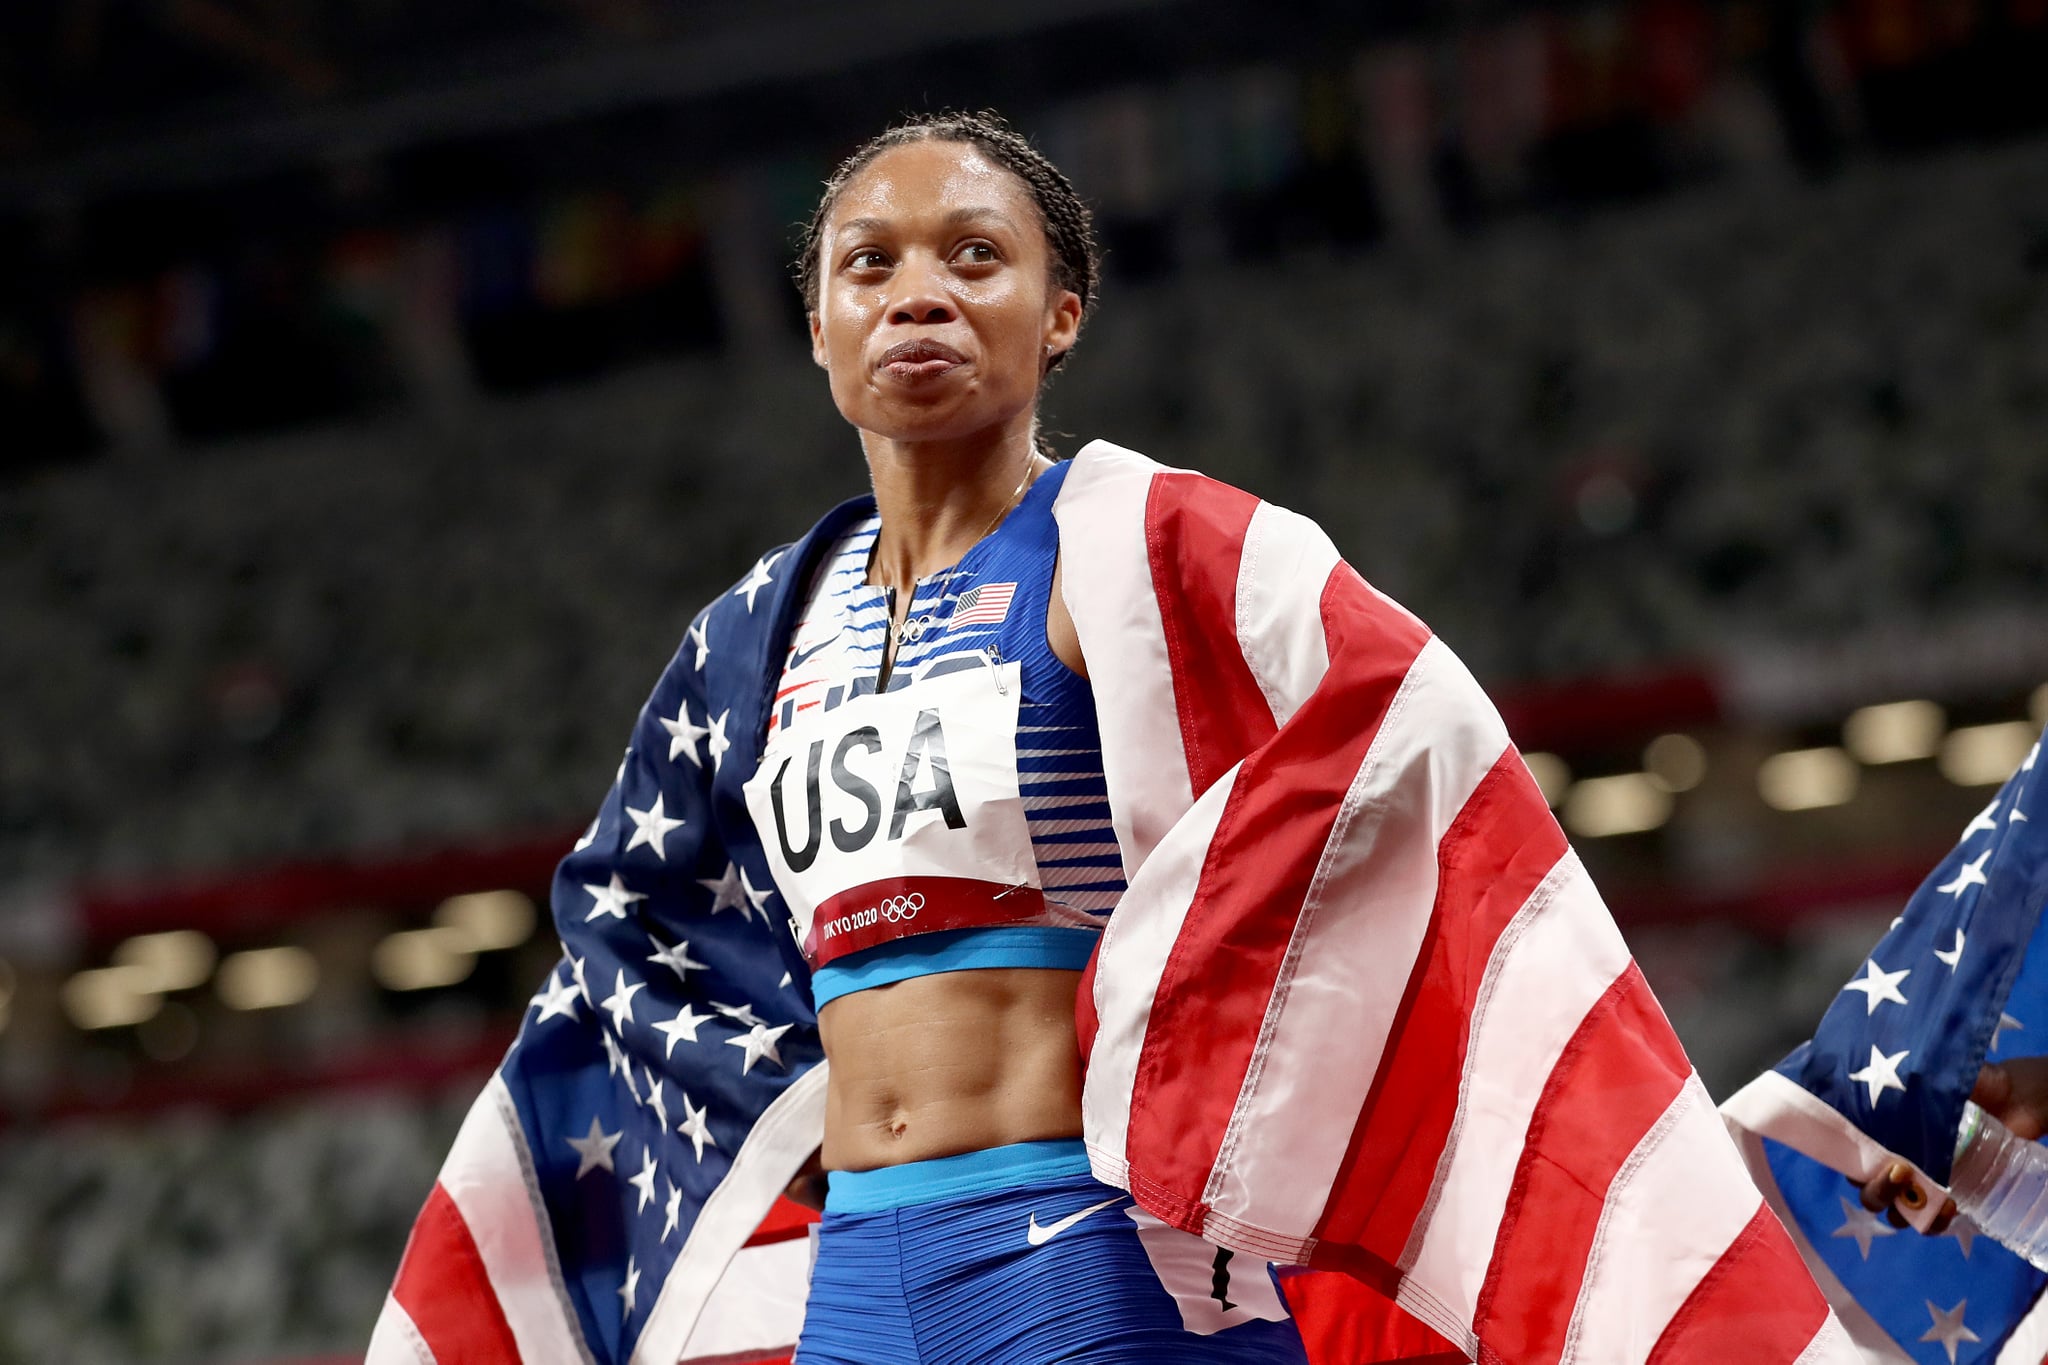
(1039, 1236)
(797, 659)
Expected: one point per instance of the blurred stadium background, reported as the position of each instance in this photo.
(383, 386)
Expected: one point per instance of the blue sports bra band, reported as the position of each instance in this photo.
(954, 950)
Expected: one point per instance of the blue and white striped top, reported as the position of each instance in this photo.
(994, 602)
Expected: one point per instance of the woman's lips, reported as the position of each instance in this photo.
(923, 359)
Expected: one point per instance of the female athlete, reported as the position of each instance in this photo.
(947, 273)
(1357, 1007)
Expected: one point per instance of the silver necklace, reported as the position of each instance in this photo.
(913, 630)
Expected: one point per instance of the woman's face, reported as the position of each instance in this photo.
(936, 304)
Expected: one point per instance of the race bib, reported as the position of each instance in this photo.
(898, 813)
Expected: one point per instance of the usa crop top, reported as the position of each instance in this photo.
(958, 819)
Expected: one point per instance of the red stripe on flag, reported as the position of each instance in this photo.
(786, 1221)
(1498, 850)
(444, 1289)
(1614, 1080)
(1211, 1001)
(1759, 1302)
(1223, 714)
(1342, 1322)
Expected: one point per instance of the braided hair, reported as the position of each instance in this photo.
(1069, 228)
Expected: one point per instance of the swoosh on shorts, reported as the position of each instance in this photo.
(1039, 1236)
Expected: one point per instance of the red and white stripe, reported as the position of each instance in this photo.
(1361, 1006)
(480, 1284)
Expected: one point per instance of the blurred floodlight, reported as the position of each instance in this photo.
(1807, 779)
(419, 959)
(487, 920)
(1626, 803)
(172, 961)
(1553, 775)
(1895, 732)
(267, 978)
(2037, 707)
(1980, 755)
(109, 997)
(1675, 762)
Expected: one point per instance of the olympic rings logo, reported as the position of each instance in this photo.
(896, 909)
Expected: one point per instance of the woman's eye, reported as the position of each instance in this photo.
(867, 259)
(978, 253)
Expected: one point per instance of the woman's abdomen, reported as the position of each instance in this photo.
(949, 1063)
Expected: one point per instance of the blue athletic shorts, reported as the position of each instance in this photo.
(1018, 1256)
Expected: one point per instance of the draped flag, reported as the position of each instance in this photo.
(667, 1082)
(1361, 1007)
(1960, 978)
(1360, 1010)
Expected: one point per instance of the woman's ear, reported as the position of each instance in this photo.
(818, 341)
(1062, 322)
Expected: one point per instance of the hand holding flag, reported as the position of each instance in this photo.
(1882, 1085)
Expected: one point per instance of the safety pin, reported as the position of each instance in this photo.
(988, 656)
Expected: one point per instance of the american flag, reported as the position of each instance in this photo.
(1361, 1009)
(983, 605)
(663, 1088)
(1361, 1006)
(1955, 981)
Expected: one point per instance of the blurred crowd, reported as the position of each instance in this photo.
(199, 1238)
(408, 263)
(1786, 411)
(1777, 411)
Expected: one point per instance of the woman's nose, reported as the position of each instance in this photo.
(919, 297)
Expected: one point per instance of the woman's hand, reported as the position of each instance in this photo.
(2015, 1093)
(1882, 1190)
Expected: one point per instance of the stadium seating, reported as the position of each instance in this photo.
(1798, 412)
(194, 1237)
